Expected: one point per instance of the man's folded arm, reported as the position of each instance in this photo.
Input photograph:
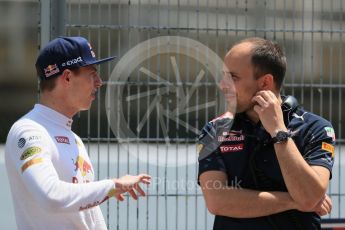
(238, 202)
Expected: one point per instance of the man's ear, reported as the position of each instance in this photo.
(267, 82)
(66, 76)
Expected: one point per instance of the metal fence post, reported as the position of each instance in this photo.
(53, 20)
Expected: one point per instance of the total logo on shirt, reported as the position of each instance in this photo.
(231, 148)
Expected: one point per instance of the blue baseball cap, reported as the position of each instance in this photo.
(65, 53)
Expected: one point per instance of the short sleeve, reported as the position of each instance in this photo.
(210, 158)
(320, 145)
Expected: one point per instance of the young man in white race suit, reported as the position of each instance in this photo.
(50, 173)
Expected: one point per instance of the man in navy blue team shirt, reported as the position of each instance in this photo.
(269, 165)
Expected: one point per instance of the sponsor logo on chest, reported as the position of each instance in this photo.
(231, 136)
(82, 165)
(231, 148)
(62, 139)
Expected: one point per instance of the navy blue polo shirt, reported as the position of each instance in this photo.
(245, 152)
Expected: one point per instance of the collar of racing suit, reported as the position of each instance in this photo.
(54, 116)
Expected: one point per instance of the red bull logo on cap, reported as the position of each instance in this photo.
(82, 165)
(51, 70)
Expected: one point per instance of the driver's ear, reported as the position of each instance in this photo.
(66, 77)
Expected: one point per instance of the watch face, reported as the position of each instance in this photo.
(282, 136)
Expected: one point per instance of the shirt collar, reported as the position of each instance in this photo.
(54, 116)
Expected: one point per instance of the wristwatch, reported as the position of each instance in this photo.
(281, 137)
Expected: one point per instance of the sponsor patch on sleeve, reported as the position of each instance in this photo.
(30, 152)
(94, 204)
(30, 163)
(21, 142)
(330, 132)
(328, 147)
